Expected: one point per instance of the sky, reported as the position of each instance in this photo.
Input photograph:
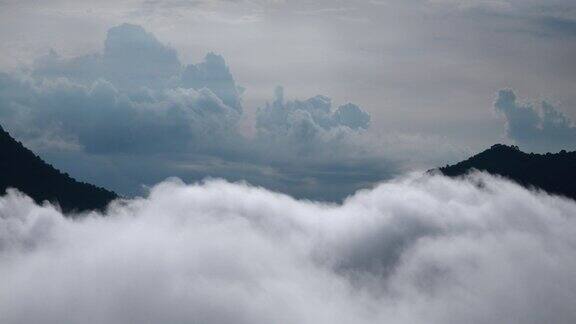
(313, 98)
(269, 155)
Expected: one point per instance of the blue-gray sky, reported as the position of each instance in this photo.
(370, 89)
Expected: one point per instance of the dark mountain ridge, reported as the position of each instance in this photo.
(552, 172)
(20, 168)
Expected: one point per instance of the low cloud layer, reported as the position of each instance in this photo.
(414, 250)
(541, 128)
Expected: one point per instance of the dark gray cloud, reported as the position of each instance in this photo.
(134, 60)
(307, 125)
(562, 26)
(541, 128)
(553, 19)
(430, 69)
(101, 119)
(137, 104)
(214, 75)
(414, 250)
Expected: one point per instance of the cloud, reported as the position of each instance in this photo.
(414, 250)
(537, 128)
(214, 75)
(548, 19)
(136, 96)
(559, 26)
(475, 44)
(309, 124)
(132, 58)
(137, 104)
(101, 119)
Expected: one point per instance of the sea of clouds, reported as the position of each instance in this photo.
(418, 249)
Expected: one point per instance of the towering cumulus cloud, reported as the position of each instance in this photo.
(415, 250)
(305, 127)
(537, 128)
(97, 116)
(134, 97)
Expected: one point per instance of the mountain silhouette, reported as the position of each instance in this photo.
(20, 168)
(554, 173)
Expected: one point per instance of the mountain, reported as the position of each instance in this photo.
(555, 173)
(23, 170)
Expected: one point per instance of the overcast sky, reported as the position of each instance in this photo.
(428, 72)
(410, 63)
(298, 131)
